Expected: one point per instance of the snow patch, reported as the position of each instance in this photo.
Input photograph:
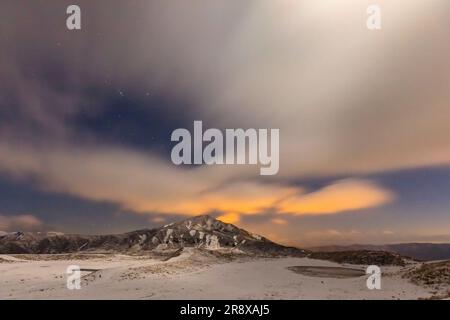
(212, 242)
(257, 237)
(142, 238)
(168, 235)
(55, 233)
(161, 246)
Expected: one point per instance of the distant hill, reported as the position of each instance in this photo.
(419, 251)
(364, 257)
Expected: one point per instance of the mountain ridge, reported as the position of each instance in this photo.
(201, 231)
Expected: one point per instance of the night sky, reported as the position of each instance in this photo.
(86, 117)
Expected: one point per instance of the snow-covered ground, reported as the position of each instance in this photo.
(189, 276)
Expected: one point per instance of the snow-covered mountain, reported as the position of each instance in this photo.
(201, 231)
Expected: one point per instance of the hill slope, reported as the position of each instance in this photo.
(420, 251)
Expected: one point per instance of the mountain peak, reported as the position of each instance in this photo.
(203, 222)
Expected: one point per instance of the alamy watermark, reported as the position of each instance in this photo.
(374, 279)
(73, 21)
(73, 277)
(374, 19)
(241, 146)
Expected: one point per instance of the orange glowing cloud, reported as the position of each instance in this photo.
(279, 221)
(344, 195)
(146, 184)
(249, 198)
(233, 200)
(231, 217)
